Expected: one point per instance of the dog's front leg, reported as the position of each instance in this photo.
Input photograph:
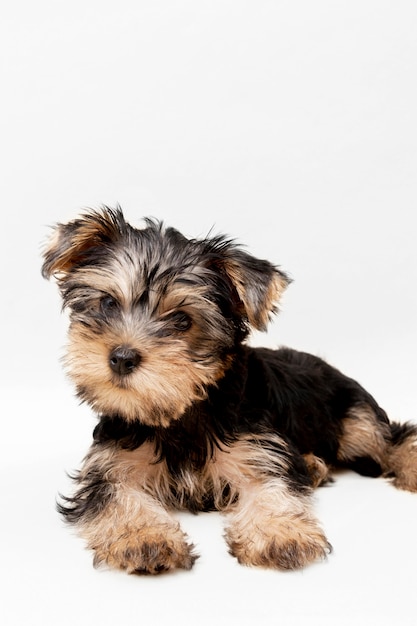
(135, 533)
(273, 527)
(126, 527)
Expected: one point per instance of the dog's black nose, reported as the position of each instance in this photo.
(124, 360)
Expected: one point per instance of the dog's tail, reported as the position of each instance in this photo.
(401, 432)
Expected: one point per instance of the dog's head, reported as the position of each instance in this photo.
(155, 317)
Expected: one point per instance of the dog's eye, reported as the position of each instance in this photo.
(108, 304)
(180, 321)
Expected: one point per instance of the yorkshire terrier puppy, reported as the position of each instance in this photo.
(190, 417)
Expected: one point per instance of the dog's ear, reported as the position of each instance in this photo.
(74, 242)
(258, 283)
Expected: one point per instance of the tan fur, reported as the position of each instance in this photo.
(364, 435)
(162, 388)
(402, 462)
(317, 468)
(258, 316)
(234, 466)
(268, 525)
(272, 527)
(169, 380)
(274, 294)
(64, 251)
(134, 532)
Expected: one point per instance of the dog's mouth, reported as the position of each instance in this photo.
(121, 383)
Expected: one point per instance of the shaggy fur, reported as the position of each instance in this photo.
(189, 416)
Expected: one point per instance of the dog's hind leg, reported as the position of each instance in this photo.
(365, 441)
(373, 446)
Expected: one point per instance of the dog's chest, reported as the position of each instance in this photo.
(191, 481)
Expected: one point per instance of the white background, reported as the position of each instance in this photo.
(290, 125)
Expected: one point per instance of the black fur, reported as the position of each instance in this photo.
(401, 432)
(91, 498)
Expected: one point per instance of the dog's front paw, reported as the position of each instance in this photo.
(147, 552)
(281, 544)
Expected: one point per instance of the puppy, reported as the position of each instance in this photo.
(189, 416)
